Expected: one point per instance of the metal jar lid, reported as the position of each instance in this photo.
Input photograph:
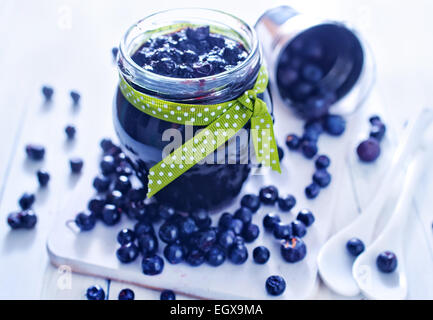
(316, 65)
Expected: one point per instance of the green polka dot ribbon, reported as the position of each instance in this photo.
(222, 122)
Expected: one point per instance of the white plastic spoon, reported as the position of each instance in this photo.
(334, 262)
(373, 283)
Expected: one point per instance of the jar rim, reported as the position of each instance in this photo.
(135, 71)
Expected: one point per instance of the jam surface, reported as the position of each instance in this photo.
(190, 53)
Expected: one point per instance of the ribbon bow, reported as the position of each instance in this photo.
(223, 121)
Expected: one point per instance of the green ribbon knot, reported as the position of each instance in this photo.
(222, 122)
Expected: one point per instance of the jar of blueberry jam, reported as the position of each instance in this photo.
(194, 56)
(319, 65)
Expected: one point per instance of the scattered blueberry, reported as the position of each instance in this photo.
(85, 221)
(287, 203)
(378, 131)
(261, 255)
(110, 215)
(312, 73)
(205, 240)
(76, 165)
(101, 183)
(375, 120)
(244, 214)
(48, 92)
(282, 230)
(107, 165)
(293, 141)
(293, 250)
(215, 256)
(25, 219)
(334, 125)
(387, 262)
(309, 149)
(268, 195)
(75, 96)
(166, 211)
(195, 257)
(174, 253)
(127, 253)
(299, 228)
(26, 201)
(152, 265)
(123, 184)
(147, 243)
(312, 190)
(280, 153)
(355, 246)
(226, 239)
(95, 293)
(250, 232)
(35, 152)
(96, 205)
(168, 295)
(142, 228)
(275, 285)
(368, 150)
(168, 232)
(322, 162)
(115, 197)
(106, 145)
(125, 236)
(322, 178)
(251, 201)
(187, 227)
(238, 254)
(270, 220)
(306, 217)
(70, 132)
(225, 221)
(126, 294)
(43, 178)
(236, 226)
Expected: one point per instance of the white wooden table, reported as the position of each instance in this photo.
(68, 44)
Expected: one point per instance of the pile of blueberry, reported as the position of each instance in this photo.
(189, 53)
(369, 149)
(24, 218)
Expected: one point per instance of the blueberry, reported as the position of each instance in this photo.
(312, 190)
(375, 120)
(123, 184)
(168, 233)
(195, 257)
(250, 232)
(261, 255)
(101, 183)
(142, 228)
(378, 132)
(110, 215)
(43, 178)
(201, 218)
(137, 194)
(35, 152)
(301, 91)
(85, 221)
(76, 165)
(206, 240)
(315, 107)
(174, 253)
(313, 50)
(14, 220)
(314, 125)
(167, 295)
(275, 285)
(306, 217)
(152, 265)
(215, 256)
(26, 201)
(114, 52)
(293, 141)
(75, 96)
(166, 211)
(387, 262)
(225, 221)
(70, 132)
(299, 228)
(244, 214)
(115, 197)
(334, 125)
(282, 230)
(238, 254)
(147, 243)
(268, 195)
(309, 149)
(152, 213)
(127, 252)
(198, 34)
(280, 153)
(236, 226)
(187, 227)
(106, 144)
(368, 150)
(287, 203)
(25, 219)
(47, 91)
(96, 205)
(322, 178)
(270, 220)
(226, 239)
(107, 165)
(355, 246)
(312, 73)
(293, 250)
(322, 162)
(286, 77)
(125, 236)
(310, 135)
(95, 293)
(126, 294)
(251, 201)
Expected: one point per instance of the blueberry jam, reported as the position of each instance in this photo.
(190, 53)
(184, 56)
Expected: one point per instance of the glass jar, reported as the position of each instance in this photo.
(206, 185)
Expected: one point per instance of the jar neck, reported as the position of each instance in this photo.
(217, 88)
